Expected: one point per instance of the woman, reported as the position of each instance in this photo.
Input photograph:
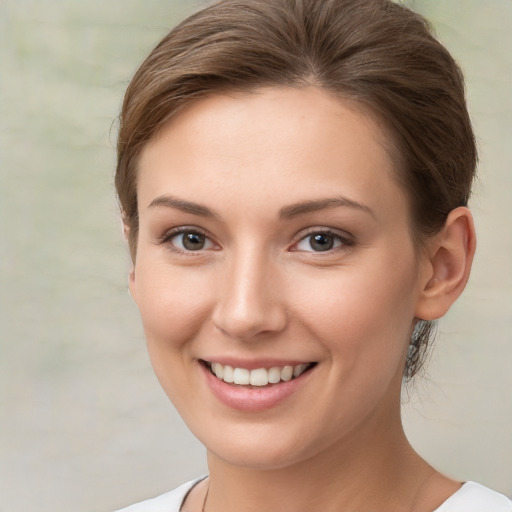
(293, 177)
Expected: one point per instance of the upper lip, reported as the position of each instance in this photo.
(253, 364)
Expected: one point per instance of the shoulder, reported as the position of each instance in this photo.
(473, 497)
(168, 502)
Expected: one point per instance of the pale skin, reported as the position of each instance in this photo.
(252, 177)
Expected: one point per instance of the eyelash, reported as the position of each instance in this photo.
(343, 241)
(166, 239)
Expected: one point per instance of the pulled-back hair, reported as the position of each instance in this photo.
(375, 52)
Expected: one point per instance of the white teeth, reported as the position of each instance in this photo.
(287, 373)
(258, 377)
(218, 369)
(274, 375)
(297, 370)
(228, 374)
(241, 376)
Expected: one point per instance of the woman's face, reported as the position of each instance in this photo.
(273, 234)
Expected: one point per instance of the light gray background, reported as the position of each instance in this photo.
(84, 425)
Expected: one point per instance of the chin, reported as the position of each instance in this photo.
(260, 447)
(256, 457)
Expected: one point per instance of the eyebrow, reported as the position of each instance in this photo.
(303, 207)
(287, 212)
(184, 206)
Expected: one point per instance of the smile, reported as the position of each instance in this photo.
(258, 377)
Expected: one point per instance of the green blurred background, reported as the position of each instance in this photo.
(84, 425)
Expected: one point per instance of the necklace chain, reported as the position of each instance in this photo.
(205, 498)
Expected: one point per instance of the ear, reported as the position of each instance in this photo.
(131, 284)
(447, 265)
(125, 226)
(131, 275)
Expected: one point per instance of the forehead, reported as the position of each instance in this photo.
(281, 142)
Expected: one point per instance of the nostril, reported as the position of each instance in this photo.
(248, 327)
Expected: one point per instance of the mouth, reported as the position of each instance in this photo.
(259, 377)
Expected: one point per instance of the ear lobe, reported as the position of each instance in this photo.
(450, 257)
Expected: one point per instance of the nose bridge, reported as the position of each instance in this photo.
(250, 299)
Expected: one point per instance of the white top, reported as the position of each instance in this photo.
(471, 497)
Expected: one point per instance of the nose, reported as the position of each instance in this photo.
(250, 298)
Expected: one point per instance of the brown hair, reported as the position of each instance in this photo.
(375, 52)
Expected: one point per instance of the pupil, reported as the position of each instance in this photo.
(321, 242)
(193, 241)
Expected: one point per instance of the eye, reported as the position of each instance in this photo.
(320, 241)
(189, 241)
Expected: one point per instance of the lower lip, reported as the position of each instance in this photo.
(253, 399)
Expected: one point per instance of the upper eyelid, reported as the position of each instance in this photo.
(347, 240)
(344, 235)
(165, 240)
(170, 233)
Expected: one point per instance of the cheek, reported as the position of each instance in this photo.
(362, 316)
(363, 324)
(172, 302)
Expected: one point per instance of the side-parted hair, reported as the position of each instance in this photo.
(377, 53)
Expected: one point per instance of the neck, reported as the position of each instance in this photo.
(376, 469)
